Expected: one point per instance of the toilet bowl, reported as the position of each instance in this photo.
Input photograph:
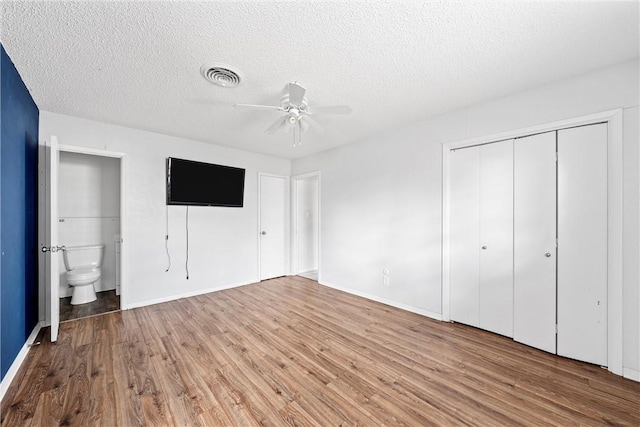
(83, 270)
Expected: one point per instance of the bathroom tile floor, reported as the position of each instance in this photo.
(107, 301)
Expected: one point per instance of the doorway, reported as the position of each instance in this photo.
(610, 303)
(89, 215)
(306, 225)
(81, 200)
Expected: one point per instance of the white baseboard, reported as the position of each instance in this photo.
(17, 362)
(184, 295)
(396, 304)
(631, 374)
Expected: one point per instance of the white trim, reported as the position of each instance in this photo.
(631, 374)
(294, 219)
(287, 222)
(615, 252)
(184, 295)
(391, 303)
(17, 362)
(614, 308)
(604, 116)
(90, 151)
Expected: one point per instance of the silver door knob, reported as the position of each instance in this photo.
(484, 247)
(264, 233)
(547, 254)
(53, 248)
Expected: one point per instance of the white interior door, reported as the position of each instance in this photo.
(496, 237)
(464, 285)
(534, 302)
(582, 243)
(274, 192)
(52, 251)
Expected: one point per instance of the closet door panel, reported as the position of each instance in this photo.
(496, 237)
(582, 243)
(464, 236)
(534, 316)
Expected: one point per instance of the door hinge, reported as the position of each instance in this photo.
(556, 156)
(556, 328)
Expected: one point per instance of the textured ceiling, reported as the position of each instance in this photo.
(138, 63)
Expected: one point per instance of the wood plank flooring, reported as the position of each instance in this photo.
(289, 352)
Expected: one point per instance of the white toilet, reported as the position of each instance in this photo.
(83, 270)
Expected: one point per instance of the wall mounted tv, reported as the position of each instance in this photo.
(204, 184)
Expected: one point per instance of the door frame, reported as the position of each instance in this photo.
(294, 220)
(613, 118)
(287, 222)
(43, 285)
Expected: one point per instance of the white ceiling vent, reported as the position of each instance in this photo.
(221, 75)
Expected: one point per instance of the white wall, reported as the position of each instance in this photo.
(89, 210)
(307, 224)
(223, 242)
(89, 186)
(382, 197)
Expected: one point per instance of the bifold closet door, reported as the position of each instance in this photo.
(534, 299)
(496, 237)
(582, 243)
(464, 285)
(481, 267)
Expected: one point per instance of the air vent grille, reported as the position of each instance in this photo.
(221, 75)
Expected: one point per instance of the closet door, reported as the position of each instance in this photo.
(534, 302)
(464, 286)
(582, 243)
(496, 237)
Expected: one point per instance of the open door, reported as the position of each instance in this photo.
(51, 251)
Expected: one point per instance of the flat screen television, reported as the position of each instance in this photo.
(204, 184)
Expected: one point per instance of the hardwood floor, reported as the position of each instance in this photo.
(291, 352)
(106, 302)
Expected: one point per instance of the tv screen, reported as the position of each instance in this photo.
(204, 184)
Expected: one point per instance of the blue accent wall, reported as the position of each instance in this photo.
(18, 210)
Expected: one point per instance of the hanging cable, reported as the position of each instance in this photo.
(166, 242)
(186, 264)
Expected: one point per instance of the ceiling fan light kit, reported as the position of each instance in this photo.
(297, 113)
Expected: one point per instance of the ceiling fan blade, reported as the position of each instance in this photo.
(307, 121)
(330, 109)
(296, 94)
(261, 107)
(277, 125)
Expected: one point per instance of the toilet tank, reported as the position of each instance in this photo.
(76, 256)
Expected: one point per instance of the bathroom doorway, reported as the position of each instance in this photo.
(89, 217)
(306, 225)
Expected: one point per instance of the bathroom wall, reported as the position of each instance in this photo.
(89, 210)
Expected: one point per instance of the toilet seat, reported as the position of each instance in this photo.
(83, 274)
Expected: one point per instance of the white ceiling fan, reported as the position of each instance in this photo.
(297, 113)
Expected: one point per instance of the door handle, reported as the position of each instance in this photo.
(547, 254)
(484, 247)
(264, 233)
(53, 248)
